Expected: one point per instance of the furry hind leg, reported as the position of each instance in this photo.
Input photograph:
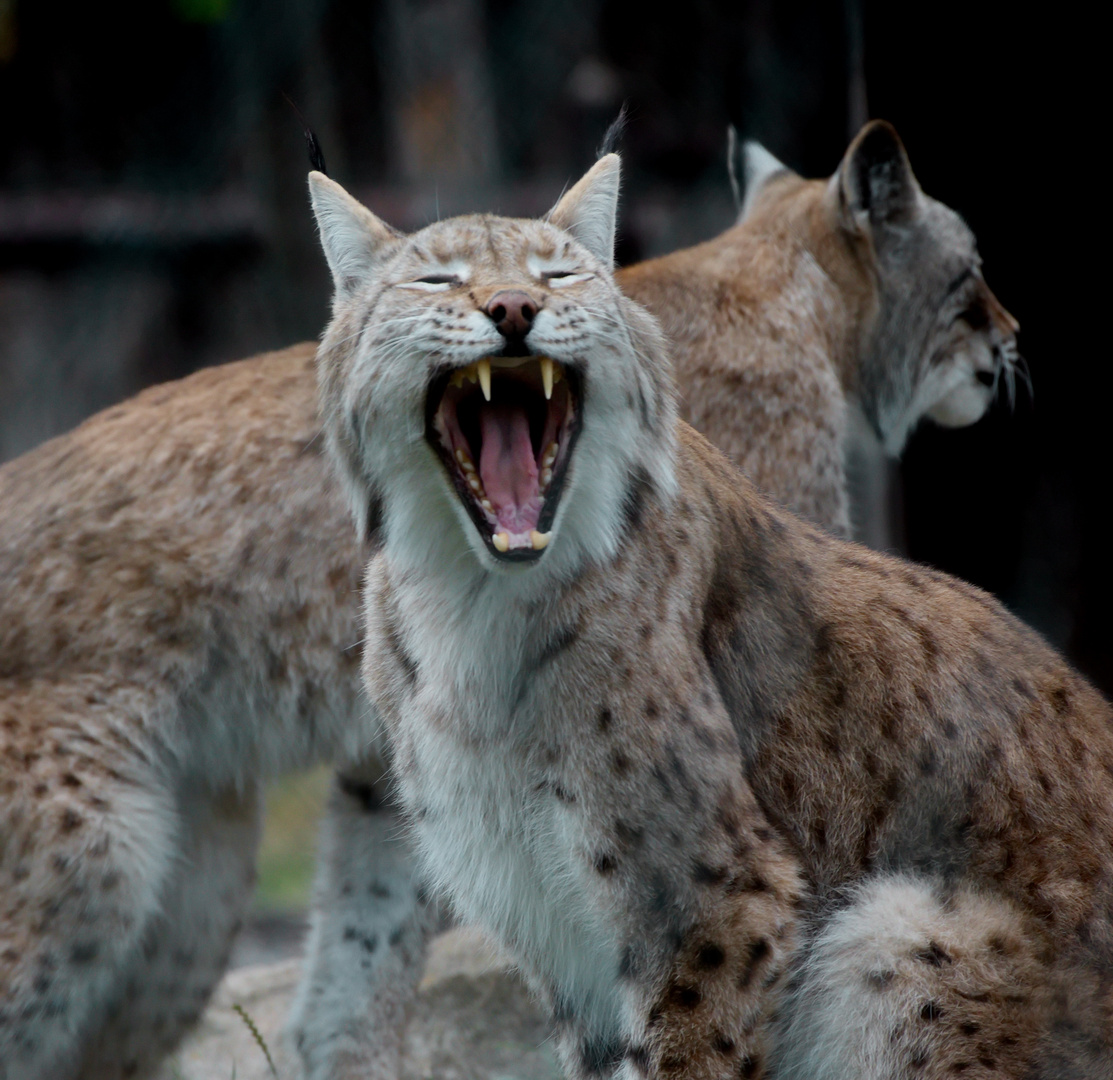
(370, 928)
(88, 835)
(910, 981)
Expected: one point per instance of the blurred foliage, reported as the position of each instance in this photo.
(294, 806)
(202, 11)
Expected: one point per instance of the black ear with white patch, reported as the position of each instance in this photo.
(351, 235)
(589, 210)
(876, 183)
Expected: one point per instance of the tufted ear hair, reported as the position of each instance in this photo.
(876, 184)
(589, 209)
(351, 235)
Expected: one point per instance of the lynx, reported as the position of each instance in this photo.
(180, 582)
(856, 297)
(742, 798)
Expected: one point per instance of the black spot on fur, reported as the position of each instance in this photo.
(633, 504)
(702, 874)
(638, 1056)
(364, 793)
(684, 996)
(933, 955)
(710, 956)
(758, 951)
(931, 1011)
(561, 640)
(605, 719)
(83, 952)
(747, 1067)
(605, 864)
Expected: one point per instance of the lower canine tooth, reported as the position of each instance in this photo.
(539, 539)
(501, 541)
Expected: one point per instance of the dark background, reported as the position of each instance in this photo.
(153, 215)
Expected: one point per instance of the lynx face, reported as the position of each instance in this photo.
(943, 343)
(959, 341)
(502, 350)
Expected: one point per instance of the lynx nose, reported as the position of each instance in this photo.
(512, 312)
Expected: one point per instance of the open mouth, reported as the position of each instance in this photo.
(504, 428)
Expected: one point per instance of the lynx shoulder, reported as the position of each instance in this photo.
(743, 798)
(857, 293)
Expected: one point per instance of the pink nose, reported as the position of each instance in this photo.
(512, 312)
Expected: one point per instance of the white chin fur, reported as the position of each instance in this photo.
(964, 405)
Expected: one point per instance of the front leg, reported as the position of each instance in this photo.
(367, 945)
(707, 947)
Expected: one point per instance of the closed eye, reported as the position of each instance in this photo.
(559, 278)
(431, 283)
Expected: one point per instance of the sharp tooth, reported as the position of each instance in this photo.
(461, 457)
(486, 504)
(484, 369)
(474, 484)
(539, 539)
(457, 380)
(547, 376)
(546, 477)
(550, 455)
(501, 540)
(470, 373)
(467, 465)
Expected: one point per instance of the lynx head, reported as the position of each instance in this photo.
(484, 383)
(941, 343)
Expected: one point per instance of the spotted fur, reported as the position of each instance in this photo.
(743, 799)
(178, 579)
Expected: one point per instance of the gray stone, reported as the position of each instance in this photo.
(473, 1020)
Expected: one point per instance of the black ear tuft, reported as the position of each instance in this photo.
(316, 154)
(877, 178)
(614, 133)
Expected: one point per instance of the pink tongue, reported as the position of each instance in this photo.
(507, 466)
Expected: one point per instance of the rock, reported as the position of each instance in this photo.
(473, 1020)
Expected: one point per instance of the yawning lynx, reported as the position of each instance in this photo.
(742, 798)
(178, 582)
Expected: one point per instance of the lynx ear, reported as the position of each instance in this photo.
(758, 168)
(589, 209)
(350, 234)
(875, 181)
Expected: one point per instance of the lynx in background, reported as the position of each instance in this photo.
(743, 799)
(179, 588)
(858, 292)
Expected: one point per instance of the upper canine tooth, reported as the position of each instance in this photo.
(547, 376)
(501, 540)
(484, 369)
(538, 539)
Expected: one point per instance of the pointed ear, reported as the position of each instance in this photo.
(589, 209)
(350, 234)
(758, 168)
(875, 181)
